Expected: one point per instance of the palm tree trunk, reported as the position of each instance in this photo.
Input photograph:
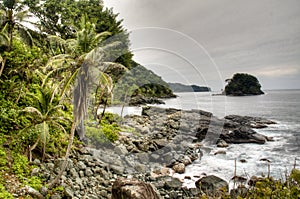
(68, 152)
(2, 65)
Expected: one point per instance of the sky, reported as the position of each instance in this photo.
(205, 42)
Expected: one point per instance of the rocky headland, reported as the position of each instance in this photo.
(142, 162)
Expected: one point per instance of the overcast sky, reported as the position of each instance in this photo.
(205, 42)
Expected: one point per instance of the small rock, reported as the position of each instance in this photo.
(56, 196)
(69, 193)
(103, 193)
(35, 171)
(121, 150)
(222, 144)
(186, 160)
(73, 173)
(81, 165)
(49, 166)
(179, 168)
(81, 174)
(88, 172)
(141, 168)
(220, 152)
(36, 162)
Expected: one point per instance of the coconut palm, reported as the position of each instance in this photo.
(46, 111)
(13, 14)
(85, 64)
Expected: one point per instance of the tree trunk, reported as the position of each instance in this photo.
(64, 165)
(2, 65)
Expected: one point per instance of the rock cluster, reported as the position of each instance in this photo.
(141, 162)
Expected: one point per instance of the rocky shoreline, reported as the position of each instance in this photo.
(141, 163)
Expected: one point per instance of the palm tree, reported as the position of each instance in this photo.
(85, 64)
(46, 111)
(13, 14)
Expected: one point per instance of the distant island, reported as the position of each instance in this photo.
(243, 84)
(178, 87)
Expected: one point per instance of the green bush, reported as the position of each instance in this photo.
(3, 160)
(4, 194)
(20, 166)
(34, 182)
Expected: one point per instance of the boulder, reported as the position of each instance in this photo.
(171, 182)
(243, 134)
(133, 189)
(212, 184)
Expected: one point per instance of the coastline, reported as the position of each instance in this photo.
(165, 144)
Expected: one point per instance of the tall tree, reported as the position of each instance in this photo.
(63, 18)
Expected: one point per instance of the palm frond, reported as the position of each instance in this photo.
(34, 110)
(100, 36)
(25, 35)
(112, 66)
(4, 39)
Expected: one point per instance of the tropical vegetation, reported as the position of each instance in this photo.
(60, 61)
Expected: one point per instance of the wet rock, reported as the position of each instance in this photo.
(253, 122)
(179, 168)
(222, 144)
(243, 135)
(220, 152)
(134, 189)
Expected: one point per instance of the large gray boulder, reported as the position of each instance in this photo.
(133, 189)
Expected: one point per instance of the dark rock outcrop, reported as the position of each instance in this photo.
(243, 135)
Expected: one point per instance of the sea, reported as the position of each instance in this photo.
(281, 106)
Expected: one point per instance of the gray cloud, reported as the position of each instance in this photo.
(258, 36)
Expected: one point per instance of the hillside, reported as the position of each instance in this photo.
(178, 87)
(140, 81)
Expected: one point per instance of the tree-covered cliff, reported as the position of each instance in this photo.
(178, 87)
